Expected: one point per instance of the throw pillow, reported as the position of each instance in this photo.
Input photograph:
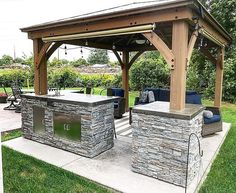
(151, 97)
(207, 114)
(143, 98)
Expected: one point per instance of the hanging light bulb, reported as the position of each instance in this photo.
(113, 46)
(81, 52)
(65, 50)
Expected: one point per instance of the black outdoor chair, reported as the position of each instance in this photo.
(87, 90)
(14, 99)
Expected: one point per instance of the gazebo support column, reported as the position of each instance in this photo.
(40, 68)
(125, 77)
(219, 78)
(178, 73)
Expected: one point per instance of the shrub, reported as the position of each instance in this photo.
(7, 76)
(62, 77)
(149, 73)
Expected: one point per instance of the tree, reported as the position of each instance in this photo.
(6, 60)
(98, 56)
(79, 62)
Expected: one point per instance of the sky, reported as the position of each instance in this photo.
(16, 14)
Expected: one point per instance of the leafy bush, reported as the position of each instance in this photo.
(62, 77)
(7, 76)
(79, 62)
(97, 80)
(148, 72)
(201, 77)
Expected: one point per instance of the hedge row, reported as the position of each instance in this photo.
(60, 77)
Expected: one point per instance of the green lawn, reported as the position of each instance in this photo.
(222, 177)
(23, 173)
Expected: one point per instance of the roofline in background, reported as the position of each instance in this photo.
(195, 4)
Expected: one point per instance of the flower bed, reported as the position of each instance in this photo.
(3, 98)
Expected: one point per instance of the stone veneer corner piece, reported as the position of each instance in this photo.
(160, 143)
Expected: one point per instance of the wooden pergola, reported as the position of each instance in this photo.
(174, 28)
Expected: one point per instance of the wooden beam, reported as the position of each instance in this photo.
(212, 31)
(178, 74)
(118, 58)
(43, 52)
(208, 55)
(36, 48)
(125, 78)
(219, 78)
(40, 69)
(53, 49)
(135, 57)
(161, 47)
(118, 22)
(191, 45)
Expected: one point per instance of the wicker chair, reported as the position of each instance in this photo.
(119, 104)
(213, 125)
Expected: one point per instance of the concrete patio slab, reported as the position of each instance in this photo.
(9, 120)
(112, 168)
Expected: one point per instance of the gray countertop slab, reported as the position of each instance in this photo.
(163, 109)
(73, 98)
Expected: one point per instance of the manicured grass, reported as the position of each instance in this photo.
(222, 176)
(11, 135)
(24, 174)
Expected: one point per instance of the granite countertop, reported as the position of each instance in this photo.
(159, 108)
(72, 98)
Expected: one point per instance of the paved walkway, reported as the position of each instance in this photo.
(9, 120)
(113, 168)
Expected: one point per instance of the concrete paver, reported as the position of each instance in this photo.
(9, 120)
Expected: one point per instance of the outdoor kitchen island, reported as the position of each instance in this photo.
(79, 123)
(160, 141)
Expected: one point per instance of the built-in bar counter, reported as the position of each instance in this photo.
(79, 123)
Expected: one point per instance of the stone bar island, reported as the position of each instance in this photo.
(160, 141)
(79, 123)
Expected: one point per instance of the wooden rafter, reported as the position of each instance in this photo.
(209, 55)
(191, 44)
(161, 47)
(135, 57)
(118, 58)
(53, 49)
(42, 53)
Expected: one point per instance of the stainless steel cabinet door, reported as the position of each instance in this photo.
(38, 119)
(67, 126)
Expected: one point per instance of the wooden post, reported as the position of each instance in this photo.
(219, 78)
(40, 73)
(125, 78)
(178, 73)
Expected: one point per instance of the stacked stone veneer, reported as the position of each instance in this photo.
(97, 126)
(160, 147)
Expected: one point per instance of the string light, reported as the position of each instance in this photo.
(65, 50)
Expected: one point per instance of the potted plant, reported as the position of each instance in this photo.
(3, 98)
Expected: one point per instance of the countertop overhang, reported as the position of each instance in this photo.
(73, 98)
(163, 109)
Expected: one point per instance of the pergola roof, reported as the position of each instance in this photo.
(133, 9)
